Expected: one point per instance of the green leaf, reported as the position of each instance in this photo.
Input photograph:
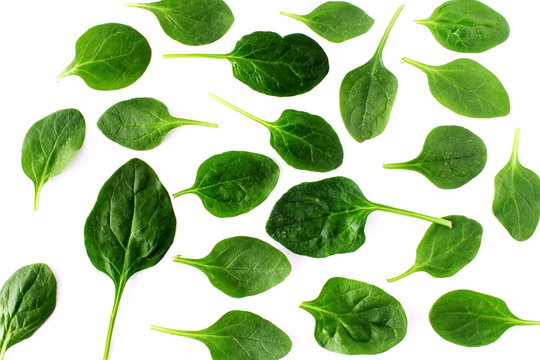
(130, 228)
(110, 57)
(355, 318)
(451, 157)
(305, 141)
(467, 26)
(274, 65)
(240, 335)
(469, 318)
(444, 251)
(516, 203)
(140, 123)
(242, 266)
(49, 145)
(234, 182)
(336, 21)
(326, 217)
(191, 22)
(367, 94)
(27, 299)
(467, 88)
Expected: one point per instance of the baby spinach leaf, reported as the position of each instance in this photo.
(469, 318)
(355, 318)
(327, 217)
(367, 94)
(242, 266)
(444, 251)
(467, 88)
(141, 123)
(192, 22)
(336, 21)
(274, 65)
(234, 182)
(240, 335)
(517, 197)
(305, 141)
(451, 157)
(49, 145)
(467, 26)
(110, 57)
(130, 228)
(27, 299)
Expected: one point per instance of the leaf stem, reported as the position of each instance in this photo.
(183, 260)
(190, 334)
(67, 72)
(237, 109)
(292, 16)
(37, 193)
(114, 312)
(417, 64)
(185, 56)
(515, 147)
(180, 122)
(528, 322)
(384, 39)
(183, 192)
(413, 214)
(399, 166)
(406, 273)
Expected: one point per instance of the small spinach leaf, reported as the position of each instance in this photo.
(354, 318)
(336, 21)
(140, 123)
(467, 26)
(240, 335)
(305, 141)
(274, 65)
(130, 228)
(27, 299)
(242, 266)
(192, 22)
(326, 217)
(49, 145)
(469, 318)
(451, 157)
(516, 203)
(110, 57)
(443, 251)
(467, 88)
(367, 94)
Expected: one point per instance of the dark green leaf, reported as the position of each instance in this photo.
(355, 318)
(517, 197)
(140, 123)
(110, 57)
(49, 146)
(27, 299)
(234, 182)
(467, 88)
(192, 22)
(336, 21)
(240, 335)
(451, 157)
(326, 217)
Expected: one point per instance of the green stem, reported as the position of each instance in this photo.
(190, 334)
(413, 214)
(528, 322)
(515, 147)
(183, 260)
(117, 297)
(67, 72)
(416, 64)
(184, 56)
(384, 39)
(180, 122)
(237, 109)
(399, 166)
(406, 273)
(292, 16)
(183, 192)
(4, 347)
(37, 192)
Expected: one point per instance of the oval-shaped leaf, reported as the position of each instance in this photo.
(49, 145)
(354, 318)
(110, 57)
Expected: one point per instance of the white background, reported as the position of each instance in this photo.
(38, 39)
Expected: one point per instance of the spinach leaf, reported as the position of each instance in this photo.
(367, 94)
(467, 88)
(234, 182)
(451, 157)
(192, 22)
(327, 217)
(130, 228)
(444, 251)
(49, 145)
(469, 318)
(242, 266)
(354, 318)
(467, 26)
(305, 141)
(109, 57)
(141, 123)
(516, 203)
(274, 65)
(336, 21)
(240, 335)
(27, 299)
